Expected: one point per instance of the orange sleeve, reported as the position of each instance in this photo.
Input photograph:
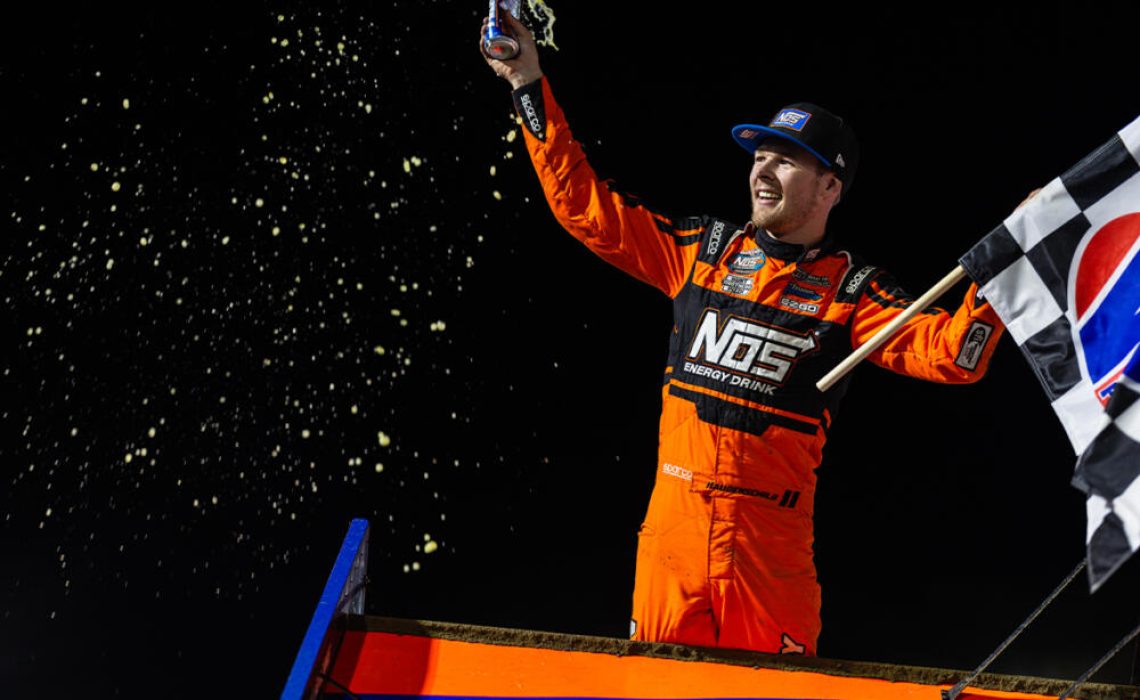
(934, 345)
(648, 245)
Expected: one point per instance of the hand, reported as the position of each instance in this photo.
(1028, 197)
(521, 69)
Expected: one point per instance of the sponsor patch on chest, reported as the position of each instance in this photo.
(734, 284)
(794, 290)
(744, 353)
(808, 278)
(747, 262)
(797, 305)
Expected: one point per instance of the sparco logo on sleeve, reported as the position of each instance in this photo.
(743, 353)
(531, 115)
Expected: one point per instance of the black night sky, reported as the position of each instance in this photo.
(271, 267)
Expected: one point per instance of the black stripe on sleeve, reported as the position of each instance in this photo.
(684, 230)
(886, 292)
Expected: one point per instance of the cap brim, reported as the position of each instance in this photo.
(750, 143)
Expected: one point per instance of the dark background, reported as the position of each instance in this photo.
(521, 436)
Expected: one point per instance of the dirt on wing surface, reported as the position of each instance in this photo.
(834, 667)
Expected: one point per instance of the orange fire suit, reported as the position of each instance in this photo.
(725, 553)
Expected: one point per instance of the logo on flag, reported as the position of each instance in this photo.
(1105, 290)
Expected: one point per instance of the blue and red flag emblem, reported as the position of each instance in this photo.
(1106, 294)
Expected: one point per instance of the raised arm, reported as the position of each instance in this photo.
(647, 244)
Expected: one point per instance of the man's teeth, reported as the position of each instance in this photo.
(767, 195)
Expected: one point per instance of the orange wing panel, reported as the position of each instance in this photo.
(379, 663)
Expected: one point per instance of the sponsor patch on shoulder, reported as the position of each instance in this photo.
(857, 279)
(715, 235)
(679, 472)
(976, 339)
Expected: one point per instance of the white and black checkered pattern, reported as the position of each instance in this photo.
(1107, 472)
(1024, 269)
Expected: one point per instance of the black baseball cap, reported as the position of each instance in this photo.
(821, 133)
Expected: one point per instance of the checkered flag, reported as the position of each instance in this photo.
(1064, 275)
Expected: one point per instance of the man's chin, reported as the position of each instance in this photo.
(767, 221)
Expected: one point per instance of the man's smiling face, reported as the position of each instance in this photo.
(790, 188)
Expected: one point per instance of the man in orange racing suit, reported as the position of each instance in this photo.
(761, 312)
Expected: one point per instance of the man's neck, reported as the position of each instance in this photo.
(808, 238)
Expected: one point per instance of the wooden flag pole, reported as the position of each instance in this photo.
(882, 336)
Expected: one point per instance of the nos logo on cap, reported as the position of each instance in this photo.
(793, 119)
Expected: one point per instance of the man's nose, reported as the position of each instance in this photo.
(764, 171)
(764, 167)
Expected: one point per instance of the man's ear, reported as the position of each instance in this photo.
(833, 188)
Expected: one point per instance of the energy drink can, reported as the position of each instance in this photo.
(496, 43)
